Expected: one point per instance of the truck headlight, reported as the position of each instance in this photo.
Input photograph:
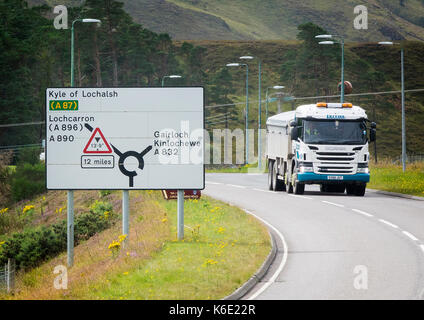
(363, 168)
(306, 167)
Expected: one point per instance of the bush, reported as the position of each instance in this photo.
(33, 246)
(38, 245)
(88, 224)
(104, 193)
(5, 160)
(100, 207)
(29, 155)
(28, 180)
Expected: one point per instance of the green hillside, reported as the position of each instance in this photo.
(273, 19)
(369, 68)
(37, 56)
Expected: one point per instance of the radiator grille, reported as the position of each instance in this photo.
(335, 163)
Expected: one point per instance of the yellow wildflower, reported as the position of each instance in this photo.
(27, 208)
(210, 262)
(114, 244)
(122, 237)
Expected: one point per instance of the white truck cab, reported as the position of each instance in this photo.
(323, 143)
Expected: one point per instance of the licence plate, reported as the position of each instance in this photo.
(334, 177)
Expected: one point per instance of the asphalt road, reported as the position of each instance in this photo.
(338, 246)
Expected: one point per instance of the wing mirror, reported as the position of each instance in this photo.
(294, 133)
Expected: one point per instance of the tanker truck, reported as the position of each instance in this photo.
(324, 144)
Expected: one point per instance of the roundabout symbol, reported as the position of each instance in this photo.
(124, 155)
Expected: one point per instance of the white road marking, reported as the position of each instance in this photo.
(388, 223)
(210, 182)
(235, 186)
(268, 191)
(363, 213)
(333, 204)
(410, 236)
(283, 261)
(297, 196)
(422, 247)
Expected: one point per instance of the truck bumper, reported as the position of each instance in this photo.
(310, 177)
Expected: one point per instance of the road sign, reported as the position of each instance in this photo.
(188, 194)
(97, 143)
(125, 138)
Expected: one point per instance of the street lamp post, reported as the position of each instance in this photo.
(172, 76)
(247, 103)
(275, 88)
(340, 40)
(260, 105)
(402, 68)
(70, 206)
(72, 43)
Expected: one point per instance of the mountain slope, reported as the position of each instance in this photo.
(276, 19)
(273, 19)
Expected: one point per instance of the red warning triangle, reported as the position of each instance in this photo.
(97, 143)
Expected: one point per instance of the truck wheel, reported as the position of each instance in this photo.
(277, 184)
(299, 188)
(288, 185)
(270, 174)
(360, 190)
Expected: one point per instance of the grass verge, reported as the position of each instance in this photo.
(248, 168)
(390, 177)
(222, 249)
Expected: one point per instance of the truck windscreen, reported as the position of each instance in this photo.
(334, 132)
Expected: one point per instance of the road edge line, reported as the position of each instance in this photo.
(262, 271)
(397, 195)
(283, 261)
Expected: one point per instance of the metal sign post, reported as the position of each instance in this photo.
(126, 214)
(180, 213)
(70, 228)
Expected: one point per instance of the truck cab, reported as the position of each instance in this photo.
(324, 144)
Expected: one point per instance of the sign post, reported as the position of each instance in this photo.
(126, 214)
(70, 228)
(180, 203)
(124, 139)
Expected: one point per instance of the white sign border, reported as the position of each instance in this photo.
(125, 87)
